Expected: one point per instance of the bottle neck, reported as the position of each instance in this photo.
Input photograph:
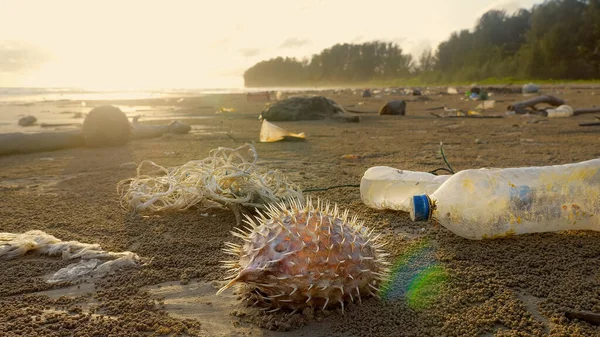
(421, 208)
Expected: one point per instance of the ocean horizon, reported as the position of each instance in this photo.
(67, 106)
(47, 94)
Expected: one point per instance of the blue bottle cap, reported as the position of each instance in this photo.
(420, 210)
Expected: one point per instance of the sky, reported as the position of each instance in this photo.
(147, 44)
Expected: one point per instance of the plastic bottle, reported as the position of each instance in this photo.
(384, 187)
(489, 203)
(530, 88)
(561, 111)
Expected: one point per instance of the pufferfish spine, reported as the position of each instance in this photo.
(299, 255)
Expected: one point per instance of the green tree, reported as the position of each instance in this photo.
(557, 39)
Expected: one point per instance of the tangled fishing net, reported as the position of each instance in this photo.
(95, 261)
(227, 176)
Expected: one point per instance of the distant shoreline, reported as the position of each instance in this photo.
(416, 83)
(13, 95)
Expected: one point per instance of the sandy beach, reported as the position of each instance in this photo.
(517, 286)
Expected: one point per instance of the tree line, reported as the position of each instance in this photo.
(555, 40)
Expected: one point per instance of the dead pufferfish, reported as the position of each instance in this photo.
(301, 256)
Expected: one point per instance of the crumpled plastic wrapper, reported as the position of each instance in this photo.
(270, 132)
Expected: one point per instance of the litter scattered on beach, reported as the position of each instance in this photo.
(270, 132)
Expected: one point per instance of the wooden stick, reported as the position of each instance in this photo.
(140, 131)
(589, 317)
(590, 124)
(586, 111)
(519, 107)
(504, 90)
(50, 125)
(466, 116)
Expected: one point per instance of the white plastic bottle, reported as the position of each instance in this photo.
(384, 187)
(490, 203)
(561, 111)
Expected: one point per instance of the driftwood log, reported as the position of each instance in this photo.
(56, 125)
(586, 111)
(13, 143)
(148, 131)
(590, 124)
(507, 89)
(465, 116)
(140, 131)
(589, 317)
(521, 107)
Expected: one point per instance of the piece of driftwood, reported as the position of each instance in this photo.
(466, 116)
(53, 125)
(506, 89)
(148, 131)
(590, 124)
(521, 107)
(586, 316)
(13, 143)
(141, 131)
(586, 111)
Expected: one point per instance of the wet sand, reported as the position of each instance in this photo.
(521, 285)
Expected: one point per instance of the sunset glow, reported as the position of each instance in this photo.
(195, 44)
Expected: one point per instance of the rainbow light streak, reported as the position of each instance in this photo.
(416, 276)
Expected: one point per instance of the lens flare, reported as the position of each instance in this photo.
(416, 276)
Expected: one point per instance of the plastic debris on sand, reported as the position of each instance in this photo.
(270, 132)
(485, 105)
(222, 110)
